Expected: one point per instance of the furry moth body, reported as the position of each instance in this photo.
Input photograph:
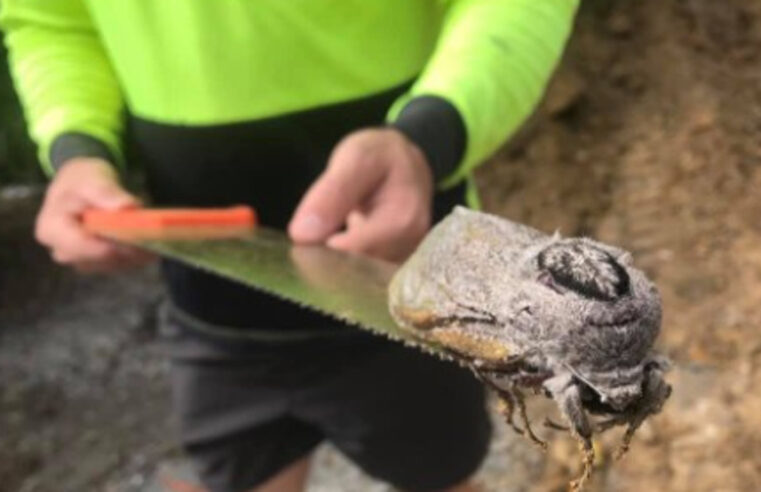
(568, 317)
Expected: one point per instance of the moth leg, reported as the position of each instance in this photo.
(506, 399)
(588, 463)
(524, 418)
(568, 397)
(628, 435)
(657, 391)
(507, 410)
(510, 398)
(626, 440)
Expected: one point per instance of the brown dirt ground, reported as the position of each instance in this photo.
(649, 138)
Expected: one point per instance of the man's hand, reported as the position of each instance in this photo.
(82, 184)
(374, 197)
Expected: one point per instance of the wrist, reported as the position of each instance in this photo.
(415, 162)
(76, 147)
(436, 128)
(95, 164)
(417, 153)
(79, 172)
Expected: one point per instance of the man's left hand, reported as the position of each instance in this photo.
(373, 198)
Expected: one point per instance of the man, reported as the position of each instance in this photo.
(337, 120)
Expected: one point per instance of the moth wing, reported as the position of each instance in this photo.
(461, 266)
(462, 260)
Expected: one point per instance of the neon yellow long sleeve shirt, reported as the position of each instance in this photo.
(76, 63)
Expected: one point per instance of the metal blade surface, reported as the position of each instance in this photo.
(351, 288)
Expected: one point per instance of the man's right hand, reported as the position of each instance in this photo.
(83, 184)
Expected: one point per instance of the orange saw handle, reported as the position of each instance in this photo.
(157, 220)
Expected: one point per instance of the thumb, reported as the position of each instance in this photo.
(326, 205)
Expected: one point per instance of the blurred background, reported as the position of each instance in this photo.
(648, 138)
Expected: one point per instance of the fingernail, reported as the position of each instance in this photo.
(309, 227)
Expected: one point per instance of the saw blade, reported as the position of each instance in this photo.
(348, 287)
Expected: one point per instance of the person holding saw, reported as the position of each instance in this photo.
(355, 124)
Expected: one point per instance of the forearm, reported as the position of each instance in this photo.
(489, 70)
(70, 94)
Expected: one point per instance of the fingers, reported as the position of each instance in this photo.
(390, 230)
(79, 186)
(379, 186)
(353, 174)
(71, 245)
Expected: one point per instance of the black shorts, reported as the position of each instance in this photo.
(248, 408)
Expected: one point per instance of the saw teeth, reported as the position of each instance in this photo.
(400, 336)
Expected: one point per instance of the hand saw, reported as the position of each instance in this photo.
(230, 243)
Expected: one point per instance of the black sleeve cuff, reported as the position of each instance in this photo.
(71, 145)
(435, 126)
